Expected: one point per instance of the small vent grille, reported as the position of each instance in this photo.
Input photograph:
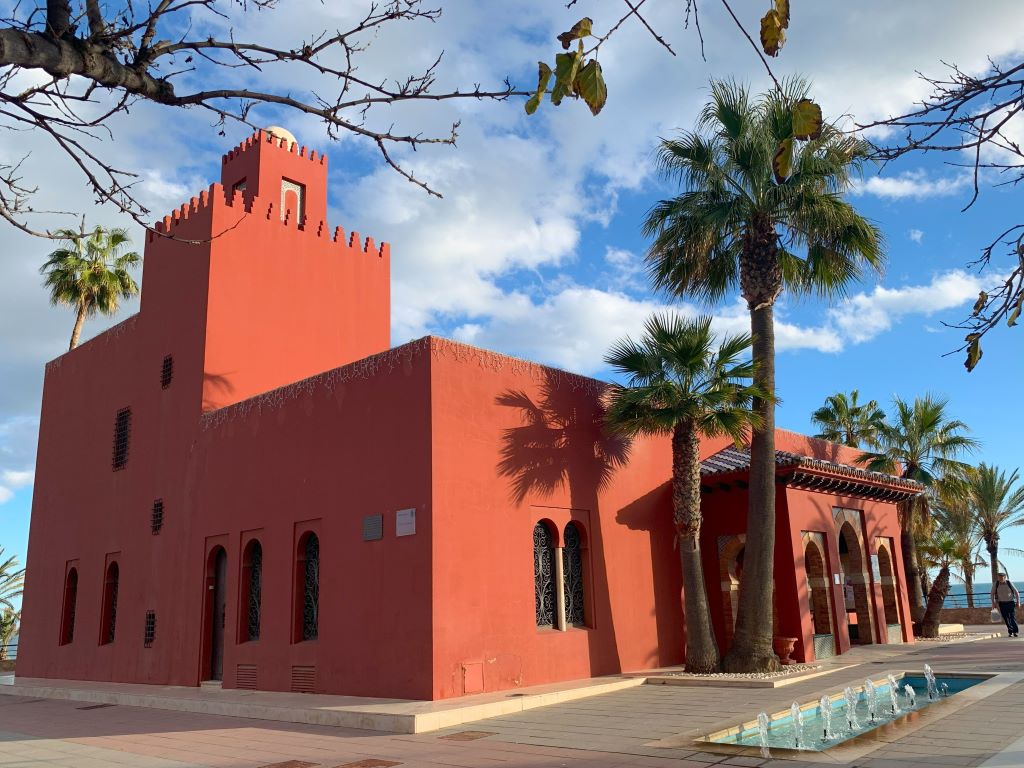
(167, 372)
(157, 520)
(303, 679)
(824, 646)
(150, 635)
(245, 677)
(122, 428)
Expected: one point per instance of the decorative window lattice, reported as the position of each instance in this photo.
(157, 520)
(70, 601)
(167, 372)
(150, 635)
(255, 591)
(572, 577)
(543, 575)
(111, 612)
(122, 428)
(311, 588)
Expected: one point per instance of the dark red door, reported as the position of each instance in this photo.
(220, 574)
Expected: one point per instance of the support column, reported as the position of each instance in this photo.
(559, 589)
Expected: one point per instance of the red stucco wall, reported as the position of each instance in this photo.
(515, 443)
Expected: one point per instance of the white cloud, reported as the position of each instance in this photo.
(864, 316)
(520, 193)
(911, 184)
(17, 454)
(916, 235)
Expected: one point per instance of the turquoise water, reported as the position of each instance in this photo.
(781, 732)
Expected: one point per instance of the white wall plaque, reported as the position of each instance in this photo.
(837, 578)
(405, 522)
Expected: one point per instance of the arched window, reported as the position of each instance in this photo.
(572, 576)
(308, 581)
(109, 623)
(67, 622)
(252, 580)
(543, 575)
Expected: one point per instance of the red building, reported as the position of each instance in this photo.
(244, 482)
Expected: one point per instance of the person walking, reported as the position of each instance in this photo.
(1006, 596)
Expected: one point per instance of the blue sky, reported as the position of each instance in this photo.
(536, 250)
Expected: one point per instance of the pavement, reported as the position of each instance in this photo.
(642, 725)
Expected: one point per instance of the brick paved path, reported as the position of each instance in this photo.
(615, 729)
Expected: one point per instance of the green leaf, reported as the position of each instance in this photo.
(543, 77)
(782, 163)
(773, 33)
(974, 352)
(580, 29)
(566, 67)
(591, 87)
(807, 120)
(782, 8)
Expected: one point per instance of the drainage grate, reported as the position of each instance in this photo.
(468, 735)
(97, 706)
(370, 762)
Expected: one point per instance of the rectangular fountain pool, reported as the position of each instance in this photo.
(849, 713)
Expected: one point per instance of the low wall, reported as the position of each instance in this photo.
(972, 616)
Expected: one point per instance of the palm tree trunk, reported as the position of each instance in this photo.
(752, 643)
(969, 585)
(701, 650)
(992, 545)
(912, 576)
(936, 596)
(76, 333)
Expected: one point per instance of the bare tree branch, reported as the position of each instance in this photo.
(973, 119)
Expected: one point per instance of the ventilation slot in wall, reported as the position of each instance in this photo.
(157, 520)
(245, 677)
(167, 372)
(150, 635)
(122, 428)
(303, 679)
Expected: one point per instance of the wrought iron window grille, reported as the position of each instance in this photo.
(166, 372)
(157, 519)
(150, 634)
(572, 577)
(311, 588)
(255, 591)
(122, 430)
(543, 575)
(113, 575)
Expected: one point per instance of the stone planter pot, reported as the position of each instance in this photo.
(783, 646)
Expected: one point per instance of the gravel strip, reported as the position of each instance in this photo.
(792, 669)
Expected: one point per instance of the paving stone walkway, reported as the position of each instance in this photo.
(606, 731)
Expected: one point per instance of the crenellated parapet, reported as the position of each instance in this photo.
(205, 209)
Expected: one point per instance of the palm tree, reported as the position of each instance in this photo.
(12, 579)
(997, 505)
(680, 385)
(90, 272)
(736, 224)
(955, 518)
(843, 420)
(9, 620)
(920, 443)
(946, 551)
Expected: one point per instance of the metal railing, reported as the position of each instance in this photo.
(982, 599)
(11, 652)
